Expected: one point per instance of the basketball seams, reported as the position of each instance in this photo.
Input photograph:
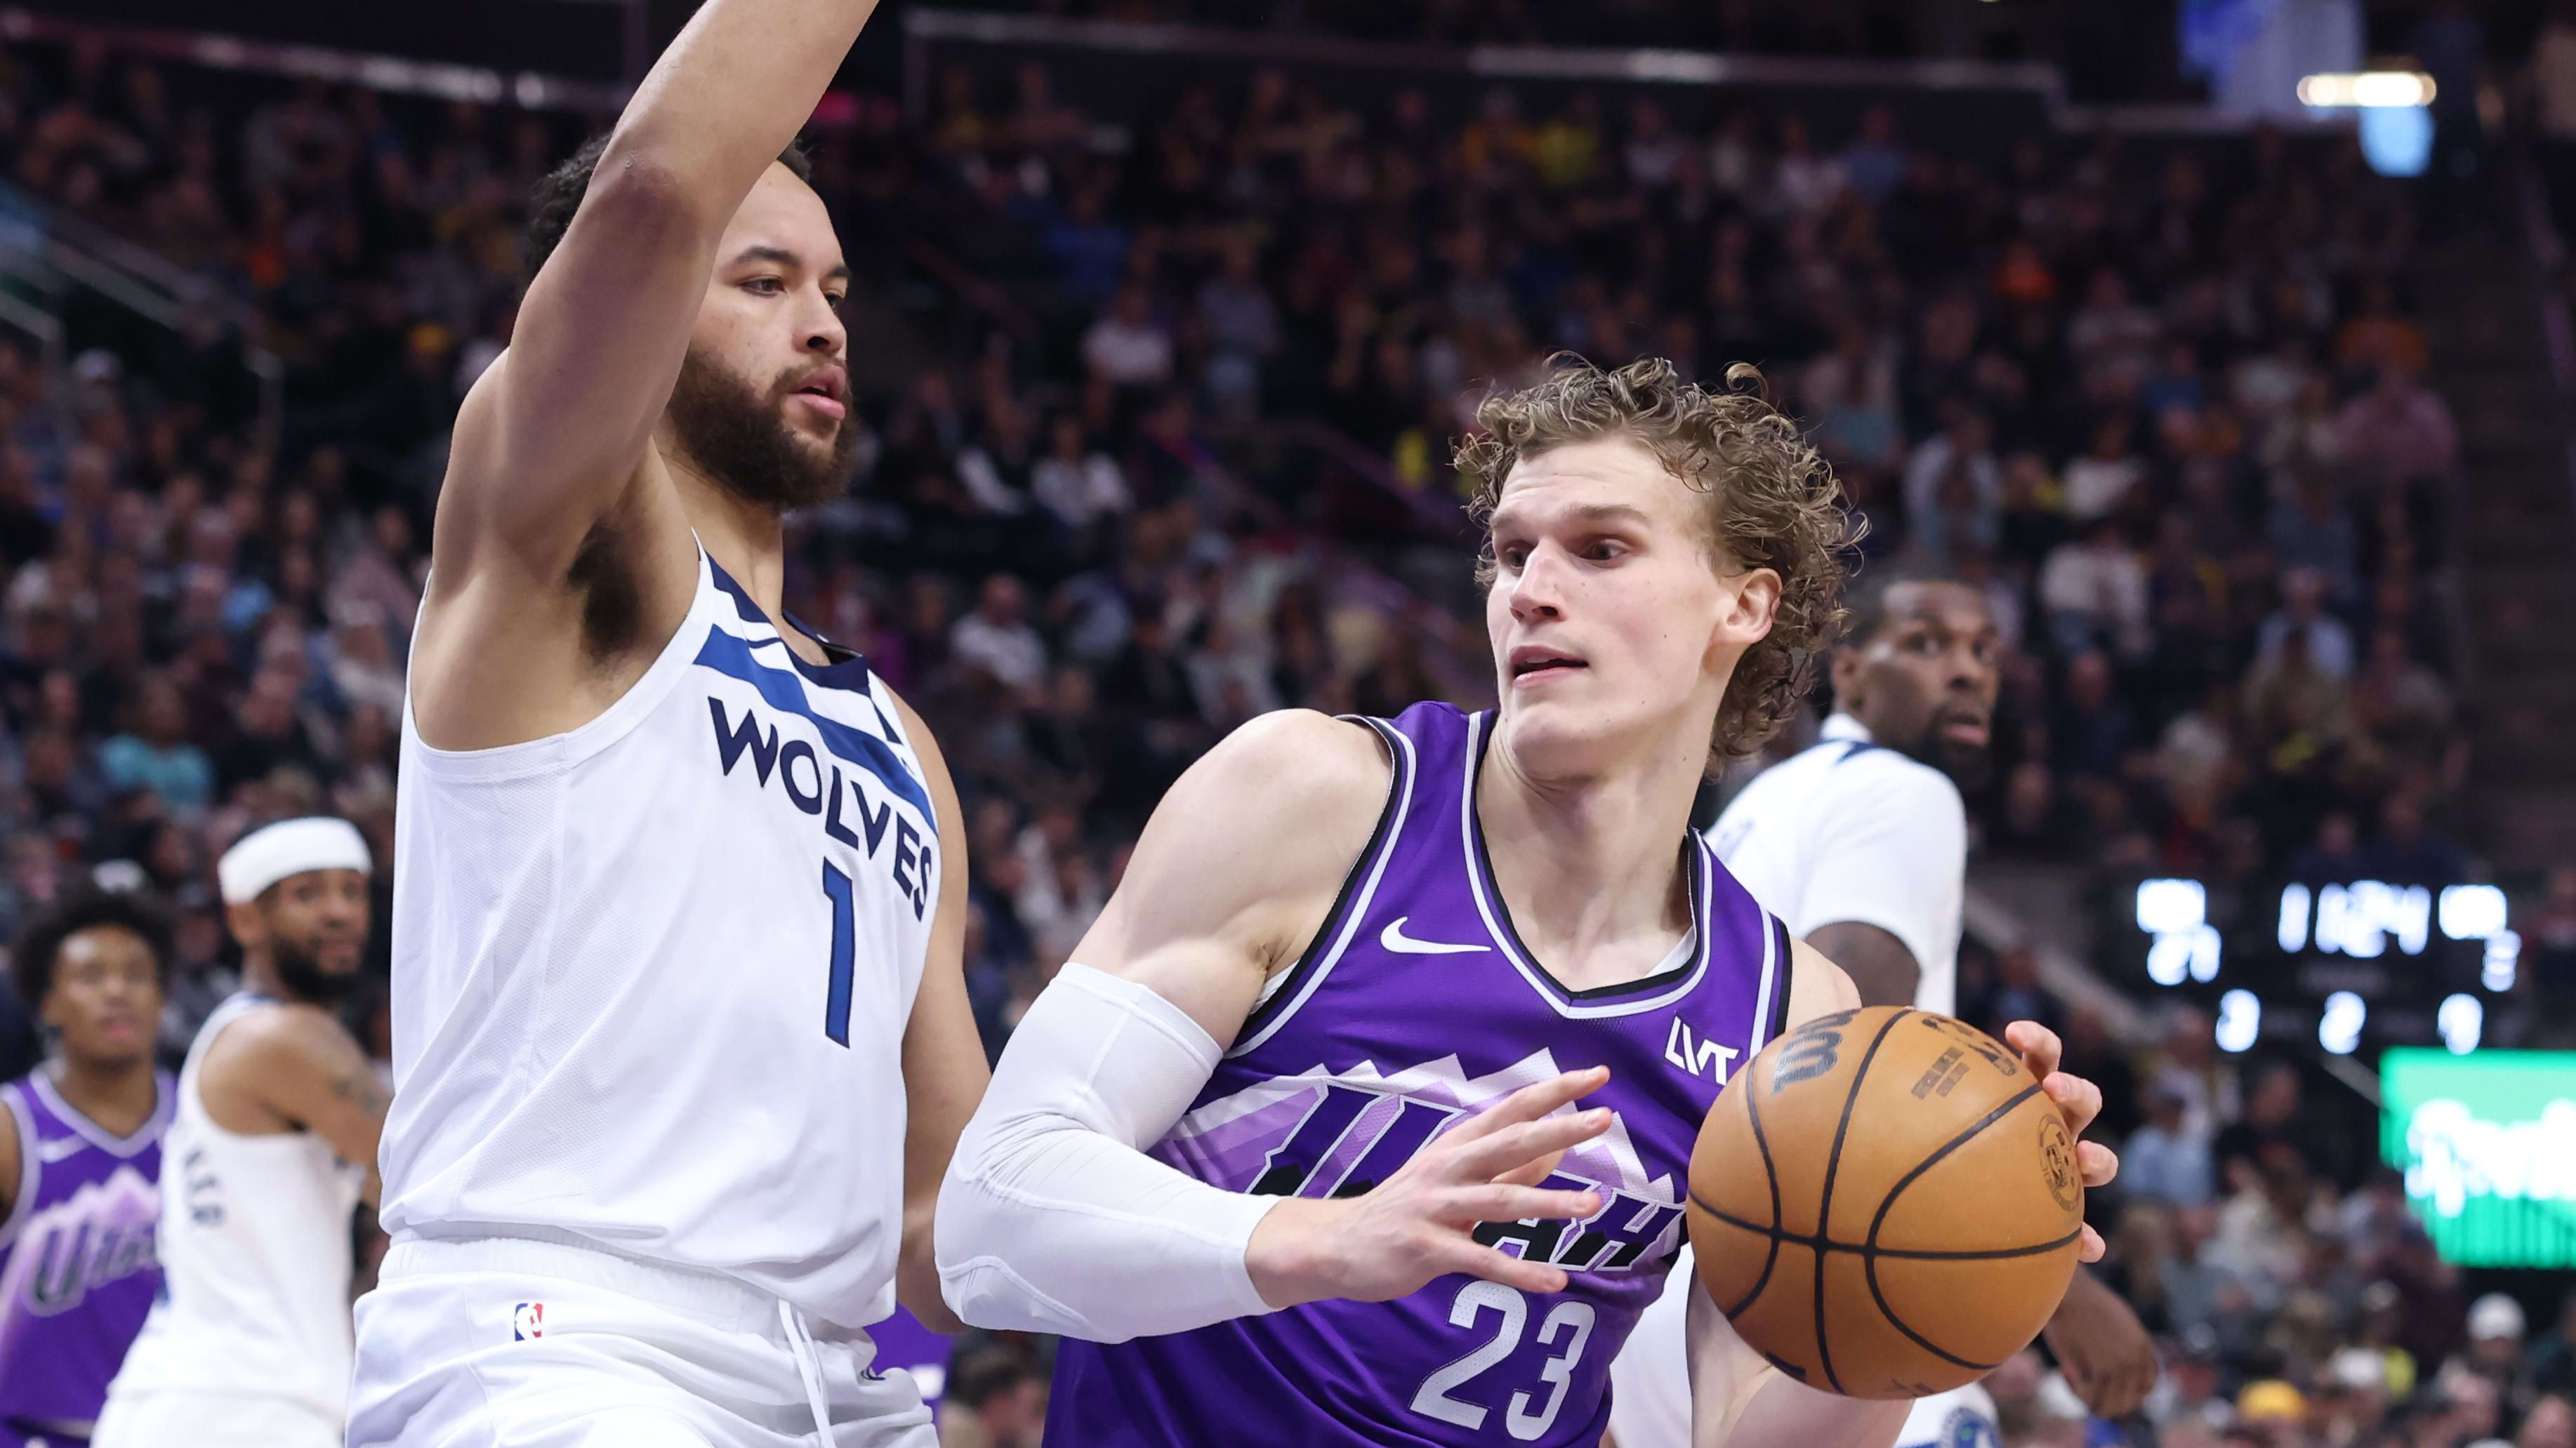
(1825, 1198)
(1770, 1175)
(1963, 1137)
(1901, 1254)
(1869, 1269)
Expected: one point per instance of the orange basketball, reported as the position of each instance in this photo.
(1885, 1204)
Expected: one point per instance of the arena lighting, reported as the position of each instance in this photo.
(2472, 912)
(2504, 952)
(2339, 1028)
(2240, 1020)
(2367, 90)
(2461, 1020)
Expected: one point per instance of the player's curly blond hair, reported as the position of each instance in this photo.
(1772, 503)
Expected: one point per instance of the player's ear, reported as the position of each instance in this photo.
(1753, 598)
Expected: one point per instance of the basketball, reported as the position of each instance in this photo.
(1885, 1204)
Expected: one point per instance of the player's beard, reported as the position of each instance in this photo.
(1969, 766)
(301, 972)
(732, 431)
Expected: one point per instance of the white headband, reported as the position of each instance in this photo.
(290, 847)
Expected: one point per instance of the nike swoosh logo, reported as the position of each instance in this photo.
(1393, 938)
(58, 1148)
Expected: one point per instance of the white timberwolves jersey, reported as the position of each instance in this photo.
(254, 1247)
(1850, 830)
(650, 977)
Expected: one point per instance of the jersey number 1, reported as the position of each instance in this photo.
(836, 1004)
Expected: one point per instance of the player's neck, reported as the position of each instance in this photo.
(1594, 864)
(120, 1096)
(748, 541)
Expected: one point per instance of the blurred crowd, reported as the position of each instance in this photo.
(2165, 404)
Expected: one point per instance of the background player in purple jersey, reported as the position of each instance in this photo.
(80, 1164)
(1311, 1076)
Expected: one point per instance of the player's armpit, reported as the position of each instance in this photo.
(943, 1057)
(1881, 968)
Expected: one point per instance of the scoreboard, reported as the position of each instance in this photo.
(2348, 965)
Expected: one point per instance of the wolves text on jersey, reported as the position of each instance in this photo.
(821, 790)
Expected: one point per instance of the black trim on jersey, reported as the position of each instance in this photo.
(1399, 781)
(1782, 948)
(1694, 868)
(1854, 748)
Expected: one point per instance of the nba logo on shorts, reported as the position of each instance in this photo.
(527, 1320)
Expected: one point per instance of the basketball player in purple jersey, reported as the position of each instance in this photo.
(1315, 1073)
(80, 1165)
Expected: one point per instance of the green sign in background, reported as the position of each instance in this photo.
(2488, 1145)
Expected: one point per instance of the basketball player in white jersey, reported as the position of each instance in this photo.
(1646, 539)
(681, 1040)
(1860, 844)
(267, 1158)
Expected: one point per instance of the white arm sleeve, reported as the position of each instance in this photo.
(1052, 1217)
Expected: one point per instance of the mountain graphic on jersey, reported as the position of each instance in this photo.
(1416, 1006)
(80, 1266)
(1325, 1133)
(101, 1233)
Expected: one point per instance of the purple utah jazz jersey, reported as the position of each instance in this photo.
(1416, 1006)
(77, 1270)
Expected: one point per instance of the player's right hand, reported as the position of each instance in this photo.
(1417, 1225)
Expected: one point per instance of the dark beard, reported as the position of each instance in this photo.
(1968, 768)
(304, 977)
(732, 432)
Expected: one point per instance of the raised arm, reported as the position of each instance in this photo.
(1051, 1199)
(554, 435)
(560, 545)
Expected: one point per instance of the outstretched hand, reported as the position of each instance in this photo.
(2079, 1101)
(1419, 1223)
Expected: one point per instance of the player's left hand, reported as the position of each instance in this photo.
(2079, 1101)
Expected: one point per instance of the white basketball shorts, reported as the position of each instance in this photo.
(505, 1343)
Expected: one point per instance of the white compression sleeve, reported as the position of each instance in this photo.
(1052, 1217)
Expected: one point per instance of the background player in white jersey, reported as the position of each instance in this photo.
(272, 1147)
(681, 1040)
(1860, 844)
(1646, 539)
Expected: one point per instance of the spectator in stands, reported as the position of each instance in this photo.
(2163, 1161)
(1127, 346)
(2095, 594)
(998, 639)
(2550, 1362)
(2399, 430)
(2551, 1423)
(156, 754)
